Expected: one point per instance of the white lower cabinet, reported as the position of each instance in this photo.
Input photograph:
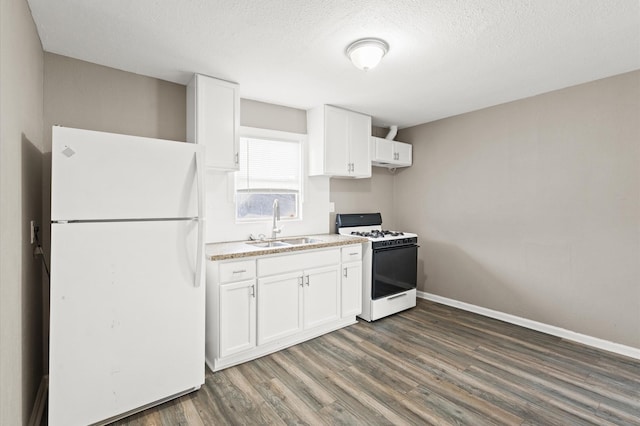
(279, 306)
(237, 317)
(351, 289)
(321, 296)
(259, 306)
(296, 301)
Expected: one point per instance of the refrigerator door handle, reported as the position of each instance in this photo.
(201, 218)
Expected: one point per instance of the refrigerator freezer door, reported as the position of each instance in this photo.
(106, 176)
(127, 322)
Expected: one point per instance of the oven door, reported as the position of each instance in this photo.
(394, 270)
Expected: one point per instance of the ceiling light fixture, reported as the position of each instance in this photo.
(366, 53)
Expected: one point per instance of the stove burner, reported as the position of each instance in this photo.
(375, 233)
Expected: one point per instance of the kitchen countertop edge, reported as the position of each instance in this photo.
(240, 249)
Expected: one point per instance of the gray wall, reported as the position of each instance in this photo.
(533, 207)
(88, 96)
(273, 117)
(21, 147)
(365, 196)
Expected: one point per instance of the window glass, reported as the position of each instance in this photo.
(269, 169)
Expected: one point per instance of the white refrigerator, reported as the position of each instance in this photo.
(127, 281)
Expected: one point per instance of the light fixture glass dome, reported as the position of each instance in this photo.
(367, 52)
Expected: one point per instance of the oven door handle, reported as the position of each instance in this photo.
(397, 296)
(395, 248)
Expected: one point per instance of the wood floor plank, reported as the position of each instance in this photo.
(273, 396)
(192, 416)
(433, 364)
(310, 387)
(564, 389)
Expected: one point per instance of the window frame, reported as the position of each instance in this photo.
(276, 135)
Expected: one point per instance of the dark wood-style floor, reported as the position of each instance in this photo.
(430, 365)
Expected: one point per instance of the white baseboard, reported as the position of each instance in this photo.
(40, 402)
(535, 325)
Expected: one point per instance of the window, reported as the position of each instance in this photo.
(270, 169)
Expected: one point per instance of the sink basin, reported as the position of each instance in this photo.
(268, 244)
(285, 242)
(301, 240)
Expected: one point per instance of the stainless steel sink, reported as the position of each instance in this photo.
(301, 240)
(285, 242)
(265, 244)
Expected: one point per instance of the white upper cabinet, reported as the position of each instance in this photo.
(388, 153)
(338, 142)
(213, 120)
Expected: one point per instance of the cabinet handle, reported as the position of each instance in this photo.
(239, 271)
(355, 253)
(300, 281)
(346, 274)
(253, 291)
(307, 279)
(236, 158)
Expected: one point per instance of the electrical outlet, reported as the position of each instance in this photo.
(33, 231)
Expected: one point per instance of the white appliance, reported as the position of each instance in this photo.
(127, 287)
(389, 265)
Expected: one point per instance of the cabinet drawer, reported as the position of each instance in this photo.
(236, 271)
(298, 262)
(352, 253)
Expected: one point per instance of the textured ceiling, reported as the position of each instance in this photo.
(446, 57)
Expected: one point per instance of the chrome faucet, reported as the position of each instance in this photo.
(276, 216)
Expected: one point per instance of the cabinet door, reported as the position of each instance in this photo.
(336, 136)
(217, 121)
(237, 317)
(279, 306)
(359, 135)
(403, 153)
(351, 289)
(321, 296)
(382, 150)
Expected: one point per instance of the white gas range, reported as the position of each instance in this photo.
(389, 265)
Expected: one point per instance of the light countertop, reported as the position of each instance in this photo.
(239, 249)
